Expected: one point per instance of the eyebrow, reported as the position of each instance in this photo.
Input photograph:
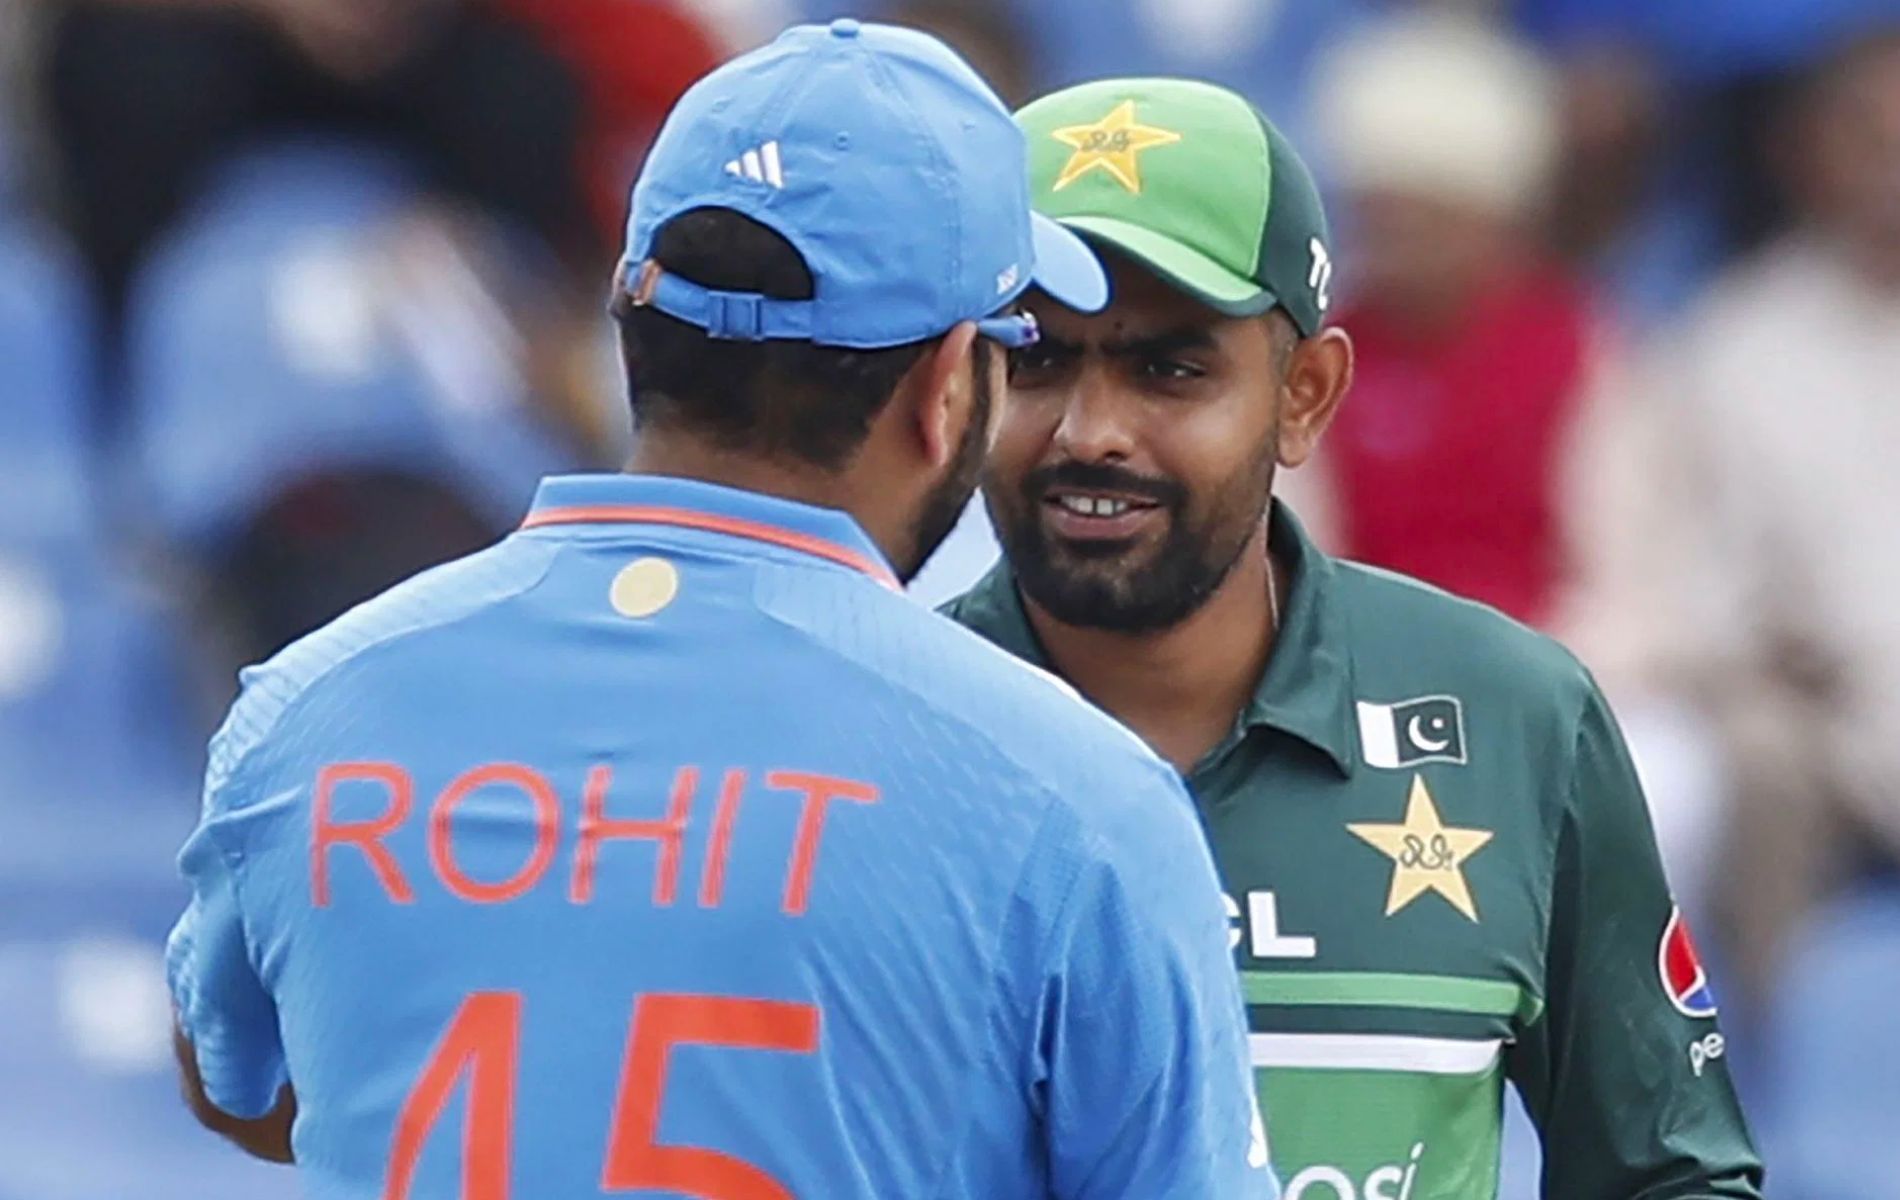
(1153, 345)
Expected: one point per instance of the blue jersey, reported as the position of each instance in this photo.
(664, 849)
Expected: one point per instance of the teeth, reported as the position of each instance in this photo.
(1094, 506)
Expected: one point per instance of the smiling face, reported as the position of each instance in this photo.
(1135, 460)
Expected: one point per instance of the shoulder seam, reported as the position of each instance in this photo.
(1502, 622)
(303, 690)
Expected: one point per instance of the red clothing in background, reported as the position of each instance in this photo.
(634, 59)
(1447, 455)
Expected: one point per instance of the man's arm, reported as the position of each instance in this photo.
(230, 1054)
(1624, 1072)
(1146, 1092)
(266, 1137)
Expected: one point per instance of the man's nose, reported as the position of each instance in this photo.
(1097, 425)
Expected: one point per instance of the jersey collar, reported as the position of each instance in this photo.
(597, 501)
(1306, 690)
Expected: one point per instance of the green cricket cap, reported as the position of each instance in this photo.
(1192, 181)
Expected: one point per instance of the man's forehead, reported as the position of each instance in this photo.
(1140, 306)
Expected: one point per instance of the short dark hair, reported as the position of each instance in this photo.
(1284, 336)
(777, 398)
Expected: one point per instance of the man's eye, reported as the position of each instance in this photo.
(1031, 360)
(1170, 368)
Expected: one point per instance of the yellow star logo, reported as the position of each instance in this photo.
(1427, 855)
(1111, 144)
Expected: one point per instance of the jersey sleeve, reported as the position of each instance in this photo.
(1142, 1053)
(221, 1005)
(1623, 1071)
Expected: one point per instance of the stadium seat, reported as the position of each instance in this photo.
(270, 338)
(90, 1109)
(95, 740)
(1829, 1123)
(95, 790)
(45, 390)
(88, 700)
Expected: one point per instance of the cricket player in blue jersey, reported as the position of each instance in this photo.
(665, 848)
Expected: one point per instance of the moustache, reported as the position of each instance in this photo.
(1093, 477)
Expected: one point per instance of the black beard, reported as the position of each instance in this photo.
(1080, 585)
(944, 506)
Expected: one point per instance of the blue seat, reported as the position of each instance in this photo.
(270, 339)
(95, 733)
(46, 391)
(90, 1108)
(89, 704)
(1829, 1132)
(96, 793)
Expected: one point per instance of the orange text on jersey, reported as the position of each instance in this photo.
(594, 828)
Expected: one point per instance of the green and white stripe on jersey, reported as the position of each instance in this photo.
(1374, 1052)
(1378, 989)
(1401, 1115)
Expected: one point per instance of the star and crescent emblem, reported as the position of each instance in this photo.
(1112, 145)
(1427, 854)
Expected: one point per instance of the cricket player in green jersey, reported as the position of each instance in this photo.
(1440, 868)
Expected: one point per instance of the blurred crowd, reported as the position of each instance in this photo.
(300, 296)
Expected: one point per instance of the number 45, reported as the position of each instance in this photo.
(484, 1042)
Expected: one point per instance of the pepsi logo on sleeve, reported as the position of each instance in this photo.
(1683, 977)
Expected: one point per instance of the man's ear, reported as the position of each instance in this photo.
(940, 394)
(1318, 375)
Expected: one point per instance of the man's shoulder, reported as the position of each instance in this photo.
(1028, 714)
(963, 608)
(1405, 633)
(1102, 771)
(1107, 797)
(972, 711)
(439, 597)
(989, 607)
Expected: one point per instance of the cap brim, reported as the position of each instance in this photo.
(1066, 267)
(1222, 290)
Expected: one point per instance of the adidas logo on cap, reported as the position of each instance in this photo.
(761, 165)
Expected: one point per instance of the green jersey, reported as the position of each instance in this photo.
(1441, 875)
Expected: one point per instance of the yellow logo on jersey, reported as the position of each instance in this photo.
(1427, 855)
(1112, 144)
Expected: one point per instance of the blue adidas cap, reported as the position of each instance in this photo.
(888, 163)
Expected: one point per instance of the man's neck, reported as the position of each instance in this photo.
(659, 453)
(1181, 688)
(663, 452)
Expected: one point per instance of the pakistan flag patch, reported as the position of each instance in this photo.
(1425, 729)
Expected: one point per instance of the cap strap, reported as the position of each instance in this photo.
(727, 316)
(751, 317)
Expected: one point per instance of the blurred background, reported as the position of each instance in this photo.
(300, 296)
